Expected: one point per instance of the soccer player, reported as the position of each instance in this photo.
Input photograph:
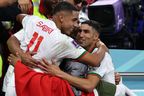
(88, 33)
(48, 40)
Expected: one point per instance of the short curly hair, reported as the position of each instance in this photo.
(94, 24)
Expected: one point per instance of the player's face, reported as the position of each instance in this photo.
(86, 36)
(70, 22)
(78, 4)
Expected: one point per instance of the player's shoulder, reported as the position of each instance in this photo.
(65, 40)
(37, 19)
(31, 17)
(62, 37)
(106, 53)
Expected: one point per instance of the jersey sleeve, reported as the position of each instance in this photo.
(27, 24)
(29, 21)
(101, 70)
(106, 67)
(26, 20)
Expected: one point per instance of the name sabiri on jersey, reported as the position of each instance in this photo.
(44, 27)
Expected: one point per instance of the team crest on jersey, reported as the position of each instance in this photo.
(75, 44)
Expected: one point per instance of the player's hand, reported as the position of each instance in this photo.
(24, 5)
(100, 43)
(26, 58)
(49, 68)
(13, 59)
(117, 78)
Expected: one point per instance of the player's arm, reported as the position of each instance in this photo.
(14, 41)
(95, 58)
(25, 5)
(75, 51)
(14, 47)
(85, 84)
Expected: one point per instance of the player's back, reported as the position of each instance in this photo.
(43, 37)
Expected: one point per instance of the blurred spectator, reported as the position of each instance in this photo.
(25, 5)
(8, 13)
(77, 3)
(90, 1)
(4, 3)
(117, 78)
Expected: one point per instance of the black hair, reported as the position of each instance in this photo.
(84, 2)
(64, 6)
(94, 24)
(48, 7)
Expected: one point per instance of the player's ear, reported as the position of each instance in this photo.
(96, 36)
(61, 18)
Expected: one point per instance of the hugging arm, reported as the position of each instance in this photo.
(94, 59)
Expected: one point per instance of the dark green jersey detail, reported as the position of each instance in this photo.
(106, 88)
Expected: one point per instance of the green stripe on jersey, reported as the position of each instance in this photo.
(81, 55)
